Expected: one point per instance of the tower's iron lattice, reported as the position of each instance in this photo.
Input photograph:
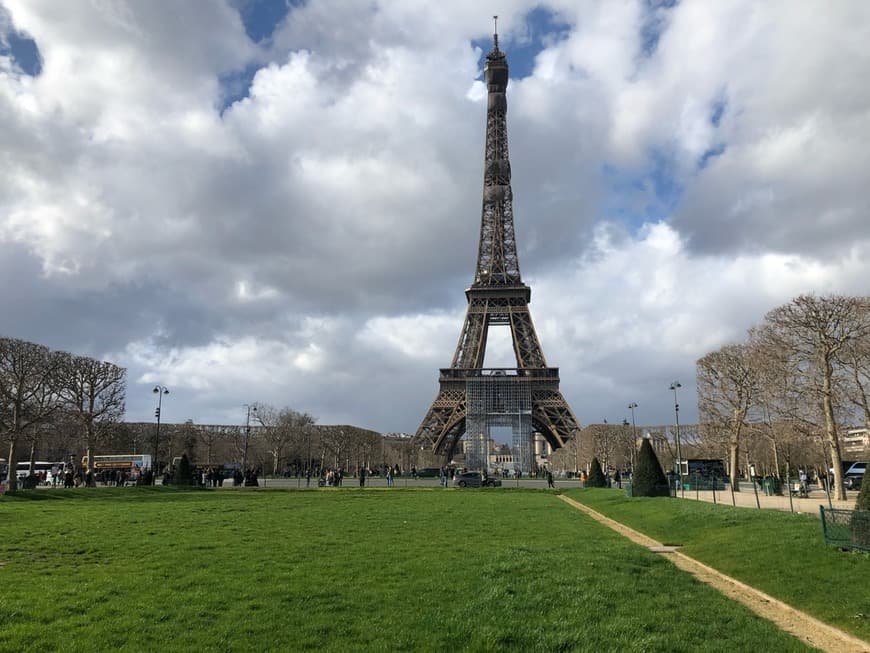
(472, 399)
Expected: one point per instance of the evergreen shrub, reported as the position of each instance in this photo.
(648, 479)
(184, 472)
(863, 502)
(596, 476)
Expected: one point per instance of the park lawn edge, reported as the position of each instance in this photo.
(780, 553)
(568, 583)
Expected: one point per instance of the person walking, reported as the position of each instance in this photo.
(550, 479)
(389, 477)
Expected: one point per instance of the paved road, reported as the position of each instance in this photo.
(746, 497)
(377, 481)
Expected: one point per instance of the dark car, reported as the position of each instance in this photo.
(428, 472)
(475, 479)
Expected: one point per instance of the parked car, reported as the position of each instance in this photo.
(428, 472)
(475, 479)
(854, 476)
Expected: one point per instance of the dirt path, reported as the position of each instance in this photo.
(806, 628)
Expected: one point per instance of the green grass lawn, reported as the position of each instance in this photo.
(344, 570)
(777, 552)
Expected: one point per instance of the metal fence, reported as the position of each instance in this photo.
(847, 529)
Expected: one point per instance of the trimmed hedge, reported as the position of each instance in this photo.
(648, 479)
(184, 474)
(863, 502)
(596, 476)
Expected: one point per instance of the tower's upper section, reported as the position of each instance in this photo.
(495, 70)
(497, 264)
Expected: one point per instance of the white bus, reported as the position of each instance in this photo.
(52, 472)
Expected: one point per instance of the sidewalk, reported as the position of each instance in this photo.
(746, 499)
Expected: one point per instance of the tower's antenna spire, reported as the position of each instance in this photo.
(495, 33)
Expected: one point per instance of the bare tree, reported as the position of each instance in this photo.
(283, 428)
(727, 385)
(813, 333)
(337, 442)
(604, 441)
(93, 392)
(569, 458)
(27, 396)
(855, 359)
(209, 439)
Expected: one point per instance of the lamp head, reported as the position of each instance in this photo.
(675, 385)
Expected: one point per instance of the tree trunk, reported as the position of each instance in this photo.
(11, 476)
(734, 464)
(89, 444)
(775, 455)
(32, 459)
(831, 429)
(276, 460)
(734, 450)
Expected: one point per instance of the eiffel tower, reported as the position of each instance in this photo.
(473, 399)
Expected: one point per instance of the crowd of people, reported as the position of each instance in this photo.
(215, 476)
(73, 478)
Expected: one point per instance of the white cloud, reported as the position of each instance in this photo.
(309, 245)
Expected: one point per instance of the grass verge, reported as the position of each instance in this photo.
(344, 570)
(780, 553)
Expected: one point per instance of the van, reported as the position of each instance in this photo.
(854, 476)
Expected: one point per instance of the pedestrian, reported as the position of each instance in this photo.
(389, 477)
(550, 479)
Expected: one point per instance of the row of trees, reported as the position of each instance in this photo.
(41, 389)
(801, 376)
(284, 439)
(58, 405)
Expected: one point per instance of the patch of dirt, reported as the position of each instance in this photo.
(803, 626)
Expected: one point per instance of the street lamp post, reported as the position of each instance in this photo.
(251, 409)
(674, 386)
(631, 407)
(159, 390)
(308, 473)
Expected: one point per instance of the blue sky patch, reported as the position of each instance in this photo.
(644, 195)
(717, 111)
(711, 153)
(22, 49)
(236, 85)
(261, 17)
(653, 25)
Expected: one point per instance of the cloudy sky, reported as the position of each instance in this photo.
(260, 201)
